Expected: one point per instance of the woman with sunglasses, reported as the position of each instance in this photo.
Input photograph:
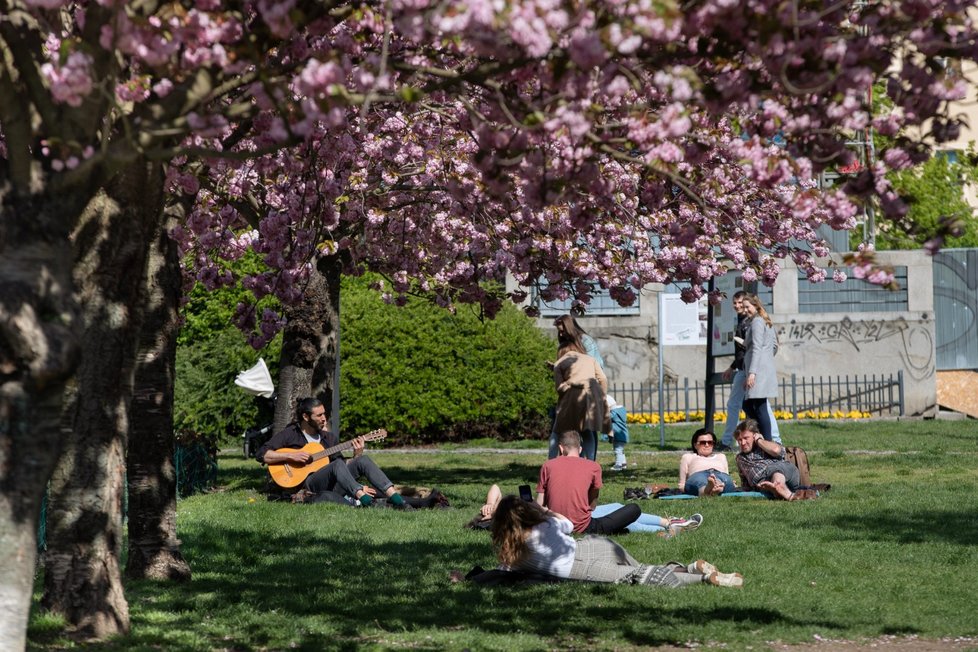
(704, 472)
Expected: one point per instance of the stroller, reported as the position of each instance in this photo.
(257, 382)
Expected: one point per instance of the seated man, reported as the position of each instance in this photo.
(664, 527)
(340, 475)
(569, 485)
(762, 464)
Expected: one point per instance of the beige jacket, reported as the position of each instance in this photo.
(581, 389)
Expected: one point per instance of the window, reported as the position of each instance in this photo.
(853, 295)
(601, 304)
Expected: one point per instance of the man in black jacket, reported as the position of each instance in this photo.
(340, 475)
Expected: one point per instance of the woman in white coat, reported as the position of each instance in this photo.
(761, 383)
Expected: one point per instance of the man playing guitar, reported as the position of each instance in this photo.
(341, 474)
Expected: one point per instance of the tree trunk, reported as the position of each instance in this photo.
(310, 342)
(154, 550)
(82, 579)
(38, 353)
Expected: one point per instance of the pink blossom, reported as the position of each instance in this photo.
(72, 82)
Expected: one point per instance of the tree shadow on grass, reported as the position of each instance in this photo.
(956, 527)
(335, 592)
(508, 476)
(244, 477)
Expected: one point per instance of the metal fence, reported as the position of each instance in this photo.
(876, 394)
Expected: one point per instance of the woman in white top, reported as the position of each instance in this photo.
(528, 537)
(704, 472)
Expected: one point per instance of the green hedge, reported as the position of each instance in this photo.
(429, 375)
(208, 406)
(421, 372)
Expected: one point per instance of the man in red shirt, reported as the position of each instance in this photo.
(569, 486)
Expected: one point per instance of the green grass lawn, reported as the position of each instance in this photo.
(891, 549)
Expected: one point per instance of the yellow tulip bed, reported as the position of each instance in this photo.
(652, 418)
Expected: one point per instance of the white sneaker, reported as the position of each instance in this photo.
(690, 523)
(735, 580)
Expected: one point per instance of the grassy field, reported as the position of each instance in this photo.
(891, 549)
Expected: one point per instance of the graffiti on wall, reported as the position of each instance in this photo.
(916, 342)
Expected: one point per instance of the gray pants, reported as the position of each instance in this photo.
(599, 559)
(791, 476)
(341, 475)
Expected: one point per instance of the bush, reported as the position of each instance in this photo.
(419, 371)
(208, 407)
(428, 375)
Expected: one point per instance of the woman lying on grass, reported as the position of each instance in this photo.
(529, 537)
(704, 472)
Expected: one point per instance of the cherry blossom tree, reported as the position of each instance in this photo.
(614, 143)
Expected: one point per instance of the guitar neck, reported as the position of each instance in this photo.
(332, 450)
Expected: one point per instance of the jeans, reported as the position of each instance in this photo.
(343, 474)
(759, 410)
(589, 445)
(734, 404)
(620, 453)
(644, 522)
(697, 481)
(615, 521)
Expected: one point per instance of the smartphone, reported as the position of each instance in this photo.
(525, 493)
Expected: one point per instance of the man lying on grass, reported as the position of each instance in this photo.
(762, 463)
(297, 457)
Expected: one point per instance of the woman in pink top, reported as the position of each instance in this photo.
(704, 472)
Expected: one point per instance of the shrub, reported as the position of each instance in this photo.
(208, 407)
(419, 371)
(429, 375)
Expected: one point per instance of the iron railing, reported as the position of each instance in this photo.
(877, 394)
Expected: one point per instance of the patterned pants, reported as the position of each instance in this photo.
(599, 559)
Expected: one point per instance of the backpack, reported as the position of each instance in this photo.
(799, 458)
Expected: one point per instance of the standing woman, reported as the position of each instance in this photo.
(568, 330)
(761, 345)
(581, 388)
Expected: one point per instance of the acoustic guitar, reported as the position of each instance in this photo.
(288, 475)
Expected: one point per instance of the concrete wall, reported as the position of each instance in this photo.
(820, 344)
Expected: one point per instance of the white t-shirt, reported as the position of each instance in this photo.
(550, 548)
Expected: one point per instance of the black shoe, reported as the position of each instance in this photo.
(723, 448)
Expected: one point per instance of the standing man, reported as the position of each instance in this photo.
(737, 388)
(762, 464)
(340, 475)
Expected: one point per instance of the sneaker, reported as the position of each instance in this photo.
(723, 448)
(618, 467)
(735, 580)
(702, 567)
(690, 523)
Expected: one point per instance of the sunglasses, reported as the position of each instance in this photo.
(705, 442)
